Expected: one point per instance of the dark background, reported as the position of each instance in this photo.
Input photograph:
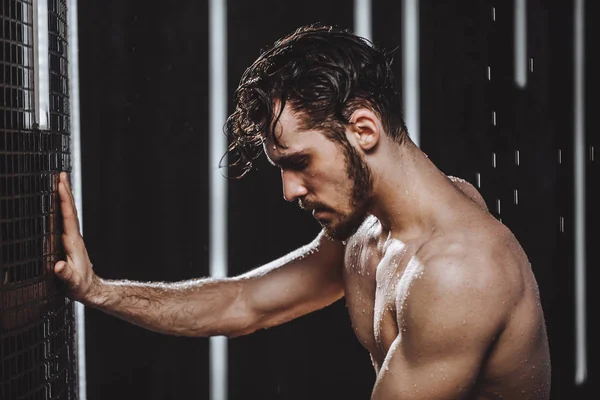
(144, 123)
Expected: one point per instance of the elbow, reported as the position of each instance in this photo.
(237, 329)
(237, 321)
(241, 332)
(228, 330)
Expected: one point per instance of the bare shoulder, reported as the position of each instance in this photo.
(462, 277)
(456, 266)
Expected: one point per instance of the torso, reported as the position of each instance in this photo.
(378, 275)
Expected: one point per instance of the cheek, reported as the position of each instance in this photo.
(333, 183)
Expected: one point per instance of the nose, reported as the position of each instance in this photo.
(293, 187)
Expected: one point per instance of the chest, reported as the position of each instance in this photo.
(377, 282)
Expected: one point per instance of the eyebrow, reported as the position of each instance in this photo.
(288, 159)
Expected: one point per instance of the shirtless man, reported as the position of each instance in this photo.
(439, 291)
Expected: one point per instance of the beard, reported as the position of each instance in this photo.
(361, 179)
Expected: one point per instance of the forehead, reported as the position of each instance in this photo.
(286, 128)
(291, 137)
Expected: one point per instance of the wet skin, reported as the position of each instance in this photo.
(439, 292)
(493, 331)
(448, 313)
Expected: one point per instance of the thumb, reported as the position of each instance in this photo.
(60, 269)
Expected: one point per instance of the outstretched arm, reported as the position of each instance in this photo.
(447, 323)
(298, 283)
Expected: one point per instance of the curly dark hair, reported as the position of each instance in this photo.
(325, 74)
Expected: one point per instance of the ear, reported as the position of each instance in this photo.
(365, 128)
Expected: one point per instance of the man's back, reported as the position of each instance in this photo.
(473, 316)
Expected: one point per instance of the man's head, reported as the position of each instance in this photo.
(301, 97)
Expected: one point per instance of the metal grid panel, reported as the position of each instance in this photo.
(37, 324)
(17, 68)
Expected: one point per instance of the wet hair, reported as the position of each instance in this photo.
(324, 74)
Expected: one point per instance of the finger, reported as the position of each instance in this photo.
(65, 178)
(59, 267)
(72, 200)
(62, 270)
(70, 222)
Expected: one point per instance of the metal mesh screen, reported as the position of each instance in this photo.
(37, 330)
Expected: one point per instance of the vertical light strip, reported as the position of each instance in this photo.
(363, 19)
(520, 38)
(76, 176)
(410, 68)
(28, 61)
(42, 83)
(579, 144)
(218, 184)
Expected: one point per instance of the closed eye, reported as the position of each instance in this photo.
(294, 163)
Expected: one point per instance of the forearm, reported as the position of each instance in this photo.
(200, 307)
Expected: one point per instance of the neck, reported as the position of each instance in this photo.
(410, 194)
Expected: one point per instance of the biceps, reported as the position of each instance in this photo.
(296, 284)
(448, 377)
